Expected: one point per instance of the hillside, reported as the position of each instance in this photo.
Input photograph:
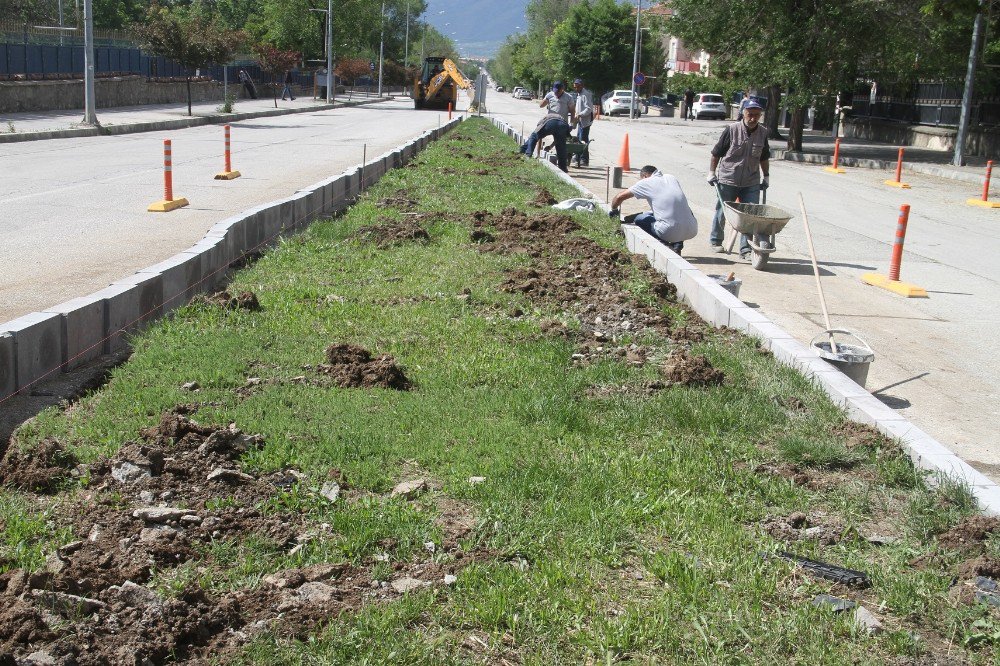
(480, 26)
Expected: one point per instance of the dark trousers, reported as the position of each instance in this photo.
(559, 131)
(583, 135)
(645, 222)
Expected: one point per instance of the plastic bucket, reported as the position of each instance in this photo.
(852, 360)
(732, 286)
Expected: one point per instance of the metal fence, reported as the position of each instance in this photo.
(22, 33)
(926, 103)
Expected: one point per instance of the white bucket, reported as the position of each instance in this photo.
(852, 360)
(732, 286)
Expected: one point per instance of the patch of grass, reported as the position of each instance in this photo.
(607, 529)
(28, 532)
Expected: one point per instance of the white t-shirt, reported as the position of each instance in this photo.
(674, 220)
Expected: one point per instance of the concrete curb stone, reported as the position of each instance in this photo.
(700, 292)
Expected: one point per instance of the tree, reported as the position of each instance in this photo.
(187, 39)
(808, 48)
(275, 62)
(596, 42)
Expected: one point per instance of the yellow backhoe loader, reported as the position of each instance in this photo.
(438, 84)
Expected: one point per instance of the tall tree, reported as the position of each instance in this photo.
(185, 38)
(275, 62)
(810, 48)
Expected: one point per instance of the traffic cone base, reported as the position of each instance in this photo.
(167, 206)
(227, 175)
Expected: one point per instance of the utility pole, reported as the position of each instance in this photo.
(89, 103)
(406, 49)
(970, 76)
(635, 60)
(329, 52)
(381, 49)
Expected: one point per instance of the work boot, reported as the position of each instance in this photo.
(717, 248)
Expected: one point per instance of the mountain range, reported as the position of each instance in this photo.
(478, 27)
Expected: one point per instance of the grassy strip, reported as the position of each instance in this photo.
(611, 525)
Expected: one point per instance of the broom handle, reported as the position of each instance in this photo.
(819, 285)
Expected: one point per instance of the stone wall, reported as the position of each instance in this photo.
(19, 96)
(984, 142)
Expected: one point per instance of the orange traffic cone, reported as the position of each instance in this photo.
(623, 155)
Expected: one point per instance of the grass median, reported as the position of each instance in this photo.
(456, 426)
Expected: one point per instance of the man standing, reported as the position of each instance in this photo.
(670, 220)
(741, 155)
(584, 119)
(287, 90)
(561, 105)
(688, 104)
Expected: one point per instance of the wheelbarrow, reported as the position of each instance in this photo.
(760, 222)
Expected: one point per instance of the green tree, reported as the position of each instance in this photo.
(288, 25)
(275, 62)
(808, 48)
(185, 38)
(596, 42)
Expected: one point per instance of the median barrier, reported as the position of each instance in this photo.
(82, 329)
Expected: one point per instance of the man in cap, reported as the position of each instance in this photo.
(670, 219)
(584, 119)
(739, 168)
(561, 106)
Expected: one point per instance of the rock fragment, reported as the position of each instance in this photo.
(409, 489)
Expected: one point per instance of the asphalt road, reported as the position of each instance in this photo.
(935, 359)
(74, 214)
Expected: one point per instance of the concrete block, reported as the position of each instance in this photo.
(214, 262)
(792, 353)
(8, 365)
(913, 439)
(255, 227)
(284, 218)
(988, 498)
(870, 410)
(38, 346)
(149, 291)
(181, 277)
(744, 317)
(234, 230)
(767, 331)
(82, 330)
(121, 314)
(954, 468)
(334, 199)
(839, 387)
(304, 210)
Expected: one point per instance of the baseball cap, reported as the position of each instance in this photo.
(752, 105)
(575, 81)
(557, 85)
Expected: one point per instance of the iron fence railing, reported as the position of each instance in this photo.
(14, 32)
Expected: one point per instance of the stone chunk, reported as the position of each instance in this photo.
(330, 490)
(405, 585)
(136, 596)
(223, 474)
(126, 472)
(156, 514)
(317, 593)
(409, 489)
(835, 604)
(867, 622)
(68, 604)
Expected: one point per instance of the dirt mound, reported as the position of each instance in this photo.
(797, 526)
(683, 368)
(388, 234)
(543, 199)
(688, 333)
(860, 434)
(351, 366)
(245, 300)
(165, 500)
(399, 200)
(41, 470)
(970, 533)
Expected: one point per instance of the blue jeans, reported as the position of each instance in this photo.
(287, 90)
(748, 194)
(583, 136)
(559, 130)
(645, 222)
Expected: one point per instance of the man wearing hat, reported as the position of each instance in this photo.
(739, 168)
(584, 119)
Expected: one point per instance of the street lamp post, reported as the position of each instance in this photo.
(635, 60)
(406, 48)
(89, 103)
(381, 49)
(328, 47)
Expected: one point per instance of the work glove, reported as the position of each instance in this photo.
(711, 179)
(615, 214)
(764, 184)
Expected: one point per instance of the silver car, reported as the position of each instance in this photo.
(709, 105)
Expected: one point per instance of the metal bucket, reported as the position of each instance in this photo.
(852, 360)
(732, 286)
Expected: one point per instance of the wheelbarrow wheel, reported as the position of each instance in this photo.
(759, 259)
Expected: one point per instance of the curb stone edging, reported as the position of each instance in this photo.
(40, 344)
(720, 308)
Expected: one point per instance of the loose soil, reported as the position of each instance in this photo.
(41, 470)
(688, 370)
(970, 533)
(246, 300)
(159, 503)
(392, 233)
(351, 366)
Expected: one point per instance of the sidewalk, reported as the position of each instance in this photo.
(817, 148)
(35, 125)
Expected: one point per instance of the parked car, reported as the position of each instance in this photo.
(517, 89)
(709, 105)
(618, 102)
(500, 88)
(524, 93)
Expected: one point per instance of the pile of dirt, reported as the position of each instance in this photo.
(543, 199)
(388, 234)
(860, 434)
(41, 470)
(691, 370)
(160, 503)
(400, 200)
(797, 526)
(246, 300)
(970, 533)
(580, 277)
(352, 366)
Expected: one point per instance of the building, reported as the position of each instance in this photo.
(679, 58)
